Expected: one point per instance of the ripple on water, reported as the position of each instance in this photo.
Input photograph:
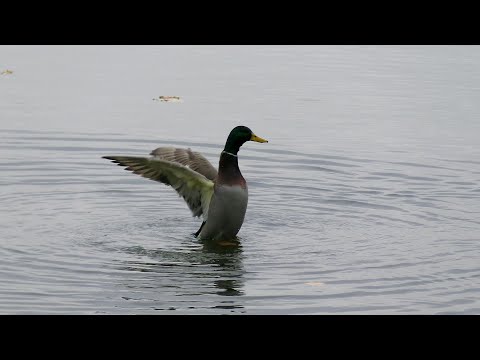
(323, 234)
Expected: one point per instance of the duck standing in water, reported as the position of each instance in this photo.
(219, 197)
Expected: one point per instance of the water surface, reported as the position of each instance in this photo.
(366, 199)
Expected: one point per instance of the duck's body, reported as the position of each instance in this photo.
(221, 197)
(229, 201)
(227, 212)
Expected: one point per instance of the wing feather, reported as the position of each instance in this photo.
(194, 187)
(194, 160)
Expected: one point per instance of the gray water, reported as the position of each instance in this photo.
(366, 200)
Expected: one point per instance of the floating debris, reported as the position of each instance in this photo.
(6, 72)
(315, 283)
(168, 99)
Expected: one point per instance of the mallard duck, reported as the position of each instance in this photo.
(219, 197)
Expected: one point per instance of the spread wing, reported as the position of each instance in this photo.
(194, 160)
(195, 188)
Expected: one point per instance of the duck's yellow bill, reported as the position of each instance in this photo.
(257, 139)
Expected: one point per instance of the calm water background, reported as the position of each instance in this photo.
(366, 200)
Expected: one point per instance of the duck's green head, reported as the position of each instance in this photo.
(239, 136)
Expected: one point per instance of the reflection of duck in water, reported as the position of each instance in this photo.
(230, 281)
(206, 277)
(220, 197)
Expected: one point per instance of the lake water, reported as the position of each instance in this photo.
(366, 200)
